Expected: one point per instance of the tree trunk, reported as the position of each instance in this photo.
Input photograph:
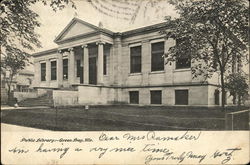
(222, 90)
(234, 99)
(239, 100)
(8, 92)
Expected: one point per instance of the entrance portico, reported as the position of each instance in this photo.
(91, 57)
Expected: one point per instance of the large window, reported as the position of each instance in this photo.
(78, 68)
(183, 59)
(157, 59)
(183, 62)
(134, 97)
(65, 69)
(135, 59)
(53, 70)
(43, 71)
(155, 97)
(181, 97)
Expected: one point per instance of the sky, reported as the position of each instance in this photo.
(54, 22)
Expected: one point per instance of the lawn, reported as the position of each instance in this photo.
(117, 118)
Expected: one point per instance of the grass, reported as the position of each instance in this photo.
(118, 118)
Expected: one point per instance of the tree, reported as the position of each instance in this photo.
(12, 63)
(236, 83)
(213, 32)
(18, 35)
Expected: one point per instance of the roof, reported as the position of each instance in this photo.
(74, 20)
(125, 34)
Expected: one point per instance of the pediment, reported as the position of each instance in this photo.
(75, 28)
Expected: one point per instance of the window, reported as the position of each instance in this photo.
(65, 69)
(155, 97)
(134, 97)
(181, 97)
(135, 59)
(183, 60)
(78, 68)
(53, 70)
(43, 71)
(157, 59)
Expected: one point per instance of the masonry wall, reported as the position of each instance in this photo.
(65, 98)
(92, 95)
(169, 75)
(197, 95)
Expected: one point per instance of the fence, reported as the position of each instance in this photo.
(238, 120)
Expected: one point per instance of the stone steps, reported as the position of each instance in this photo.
(40, 101)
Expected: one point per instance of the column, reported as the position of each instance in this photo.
(85, 64)
(100, 63)
(60, 68)
(170, 66)
(71, 67)
(48, 72)
(145, 62)
(37, 75)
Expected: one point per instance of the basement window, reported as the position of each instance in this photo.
(155, 97)
(181, 97)
(134, 97)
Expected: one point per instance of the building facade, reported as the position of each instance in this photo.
(93, 65)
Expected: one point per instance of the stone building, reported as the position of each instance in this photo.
(93, 65)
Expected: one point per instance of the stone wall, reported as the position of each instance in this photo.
(65, 98)
(25, 95)
(94, 95)
(197, 95)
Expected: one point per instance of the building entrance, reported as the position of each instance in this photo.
(92, 70)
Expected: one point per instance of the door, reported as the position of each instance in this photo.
(81, 75)
(92, 70)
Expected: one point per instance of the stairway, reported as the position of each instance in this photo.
(44, 100)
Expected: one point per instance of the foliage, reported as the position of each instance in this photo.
(236, 83)
(12, 63)
(213, 32)
(18, 36)
(18, 23)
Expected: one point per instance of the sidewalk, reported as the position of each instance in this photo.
(7, 107)
(15, 128)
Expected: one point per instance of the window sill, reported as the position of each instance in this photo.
(105, 75)
(157, 72)
(182, 70)
(135, 74)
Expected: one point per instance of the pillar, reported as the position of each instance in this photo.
(37, 75)
(170, 66)
(100, 63)
(71, 67)
(59, 68)
(85, 64)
